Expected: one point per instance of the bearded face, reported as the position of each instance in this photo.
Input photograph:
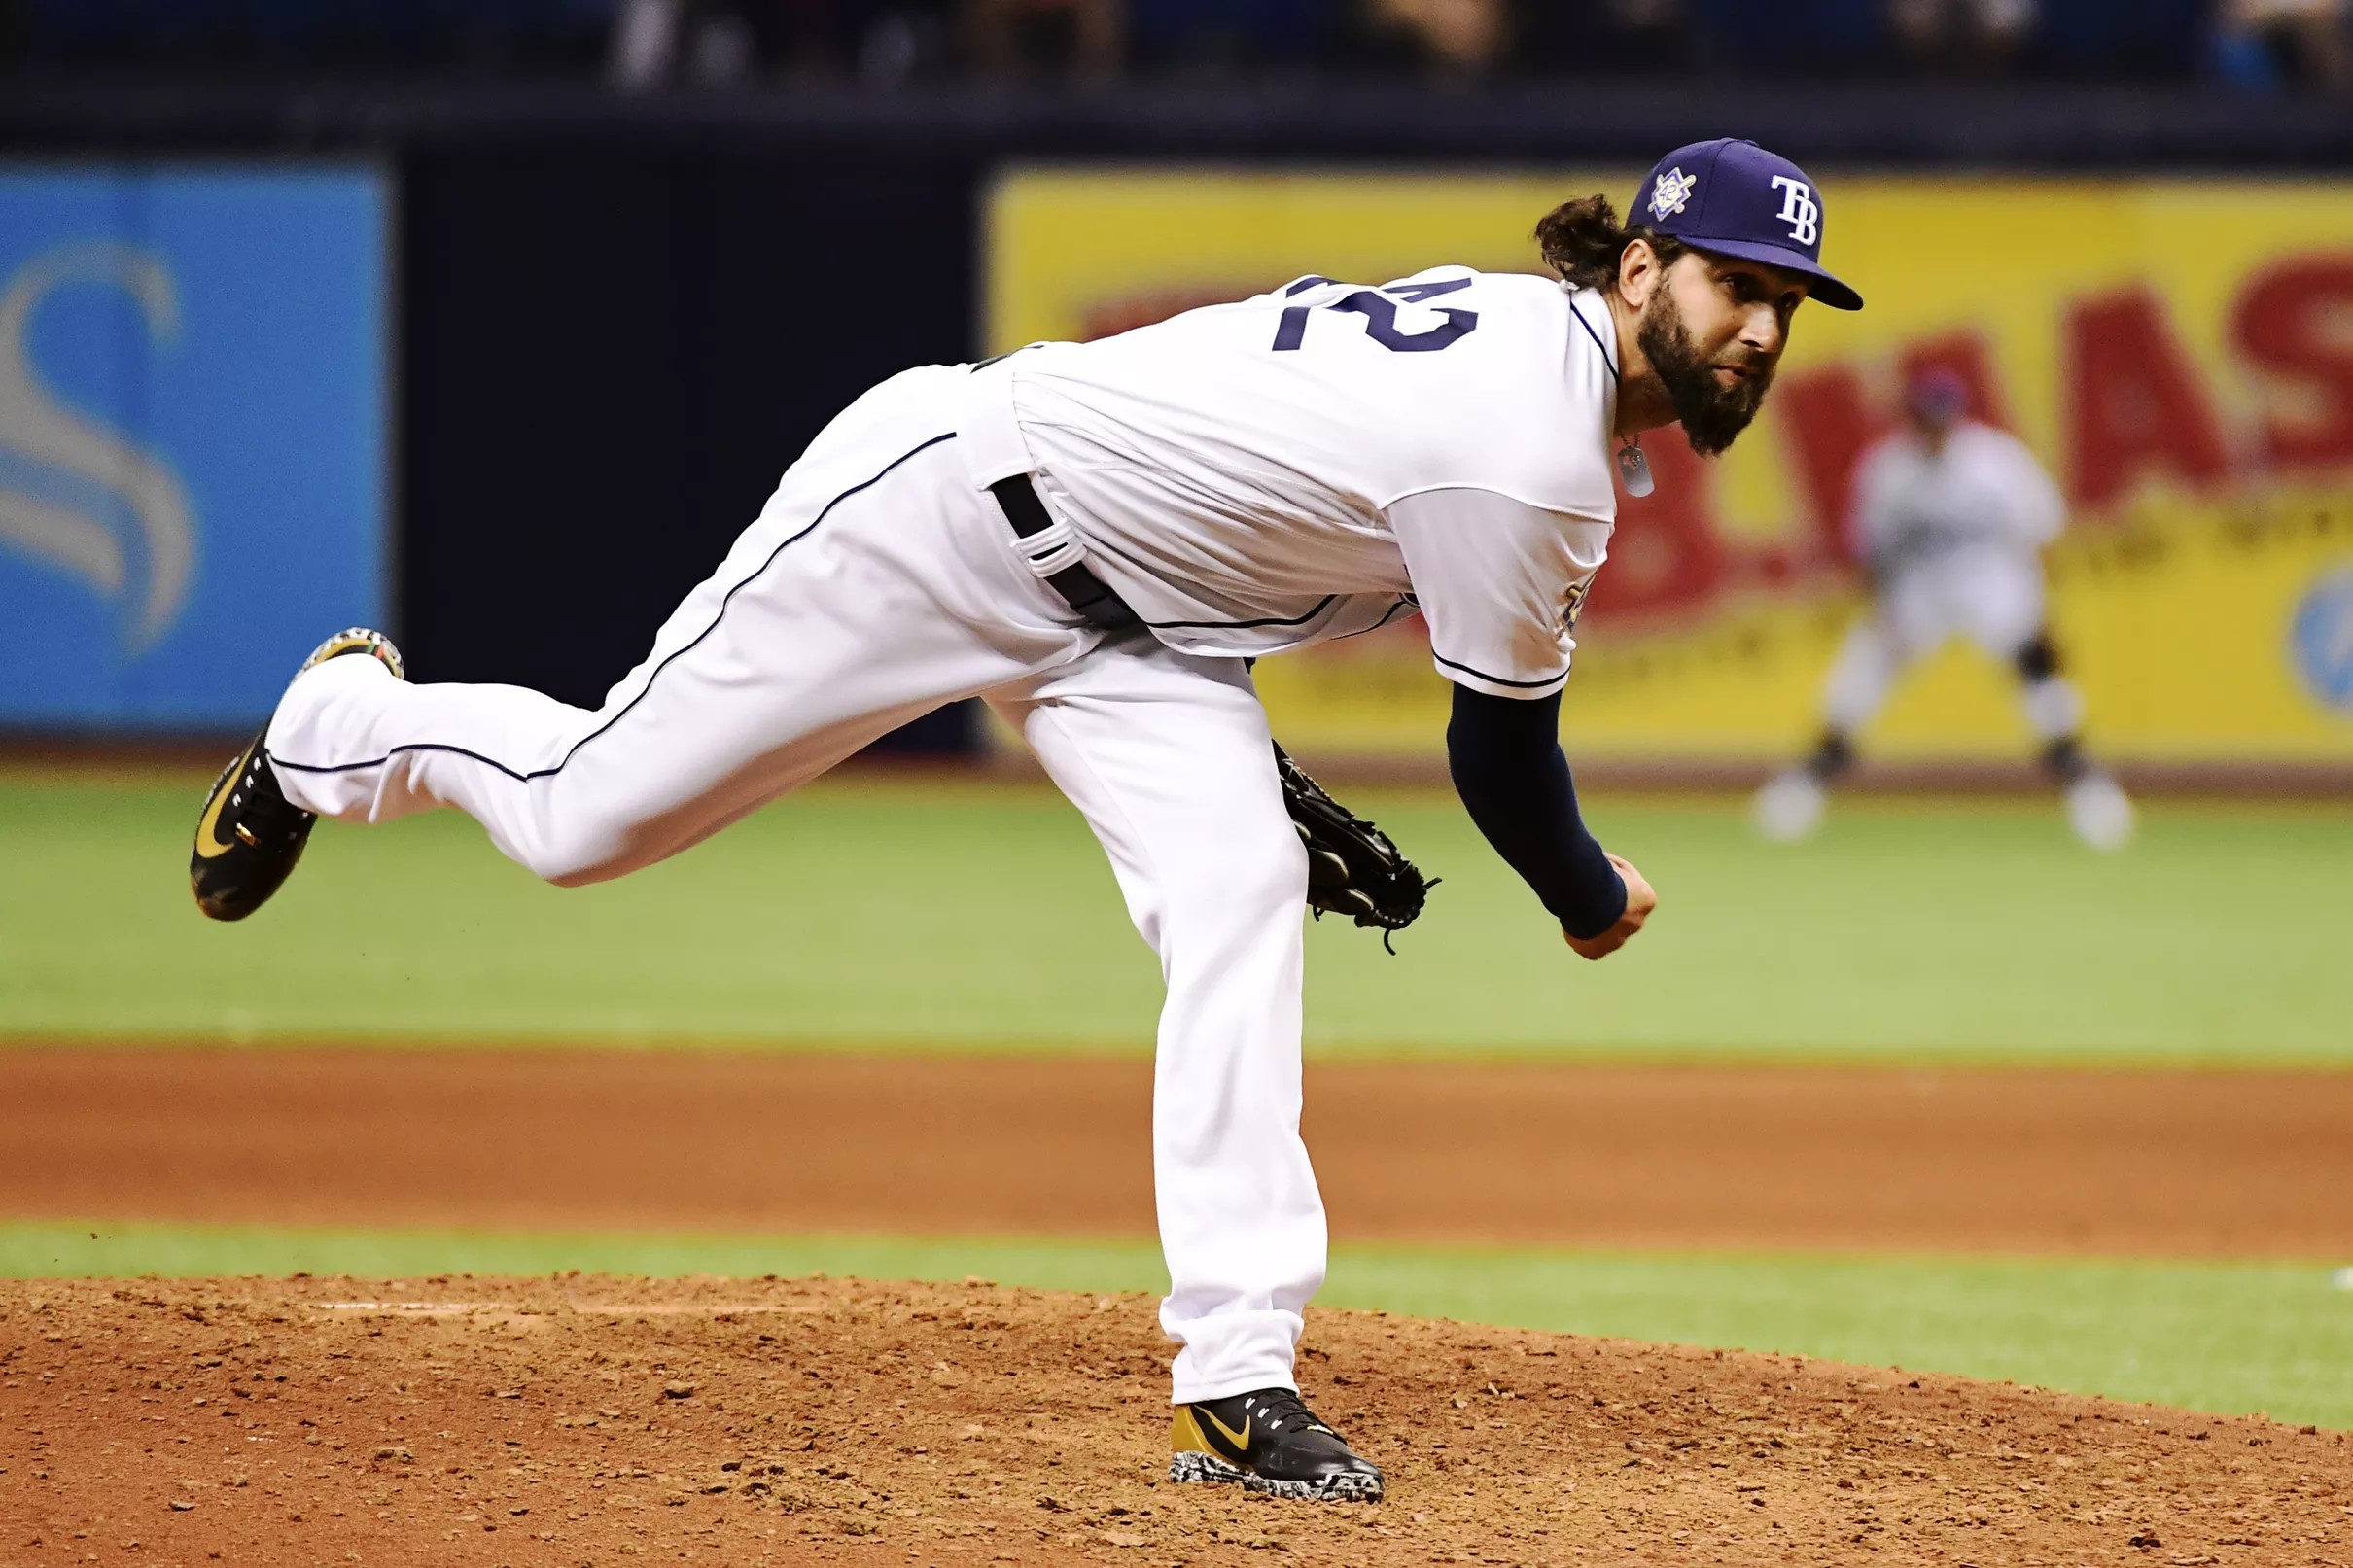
(1712, 405)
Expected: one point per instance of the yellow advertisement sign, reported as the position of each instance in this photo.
(2179, 354)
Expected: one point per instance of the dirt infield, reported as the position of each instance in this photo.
(2149, 1164)
(585, 1421)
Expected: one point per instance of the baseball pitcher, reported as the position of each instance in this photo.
(1099, 539)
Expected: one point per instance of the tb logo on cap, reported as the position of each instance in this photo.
(1799, 210)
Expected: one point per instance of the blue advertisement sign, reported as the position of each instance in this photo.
(194, 367)
(2320, 640)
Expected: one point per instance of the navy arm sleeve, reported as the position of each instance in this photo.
(1505, 756)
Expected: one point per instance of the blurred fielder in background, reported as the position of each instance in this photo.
(1950, 522)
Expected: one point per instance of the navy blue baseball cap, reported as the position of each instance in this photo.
(1734, 198)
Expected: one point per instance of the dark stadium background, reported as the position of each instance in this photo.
(621, 312)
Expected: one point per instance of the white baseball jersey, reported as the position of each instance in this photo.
(1319, 459)
(1983, 491)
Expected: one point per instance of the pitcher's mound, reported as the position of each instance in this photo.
(583, 1420)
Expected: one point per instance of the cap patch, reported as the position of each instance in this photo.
(1670, 193)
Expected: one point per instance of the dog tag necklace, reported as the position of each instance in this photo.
(1633, 464)
(1633, 468)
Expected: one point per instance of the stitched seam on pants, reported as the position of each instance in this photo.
(575, 748)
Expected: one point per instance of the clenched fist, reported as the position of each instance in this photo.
(1640, 900)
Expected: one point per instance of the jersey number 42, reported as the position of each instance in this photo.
(1379, 313)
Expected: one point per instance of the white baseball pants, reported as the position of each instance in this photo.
(1990, 595)
(879, 583)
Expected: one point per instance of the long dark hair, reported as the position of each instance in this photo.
(1583, 241)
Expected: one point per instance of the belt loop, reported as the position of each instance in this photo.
(1052, 550)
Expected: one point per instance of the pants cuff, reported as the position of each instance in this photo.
(1232, 1353)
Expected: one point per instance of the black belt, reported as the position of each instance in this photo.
(1087, 593)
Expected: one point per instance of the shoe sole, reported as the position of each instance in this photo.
(357, 640)
(1202, 1470)
(1197, 1469)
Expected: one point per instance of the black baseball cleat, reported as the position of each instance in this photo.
(1271, 1443)
(251, 835)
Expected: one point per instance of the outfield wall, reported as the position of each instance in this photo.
(194, 419)
(596, 347)
(2179, 352)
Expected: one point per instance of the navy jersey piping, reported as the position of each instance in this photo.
(1496, 680)
(1322, 605)
(1387, 615)
(1607, 359)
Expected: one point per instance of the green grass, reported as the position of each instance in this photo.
(2228, 1337)
(886, 915)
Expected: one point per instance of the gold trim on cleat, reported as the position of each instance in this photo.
(1187, 1436)
(267, 866)
(210, 846)
(1196, 1458)
(1239, 1439)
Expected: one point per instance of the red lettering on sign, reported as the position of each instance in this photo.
(2134, 406)
(1829, 425)
(2294, 322)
